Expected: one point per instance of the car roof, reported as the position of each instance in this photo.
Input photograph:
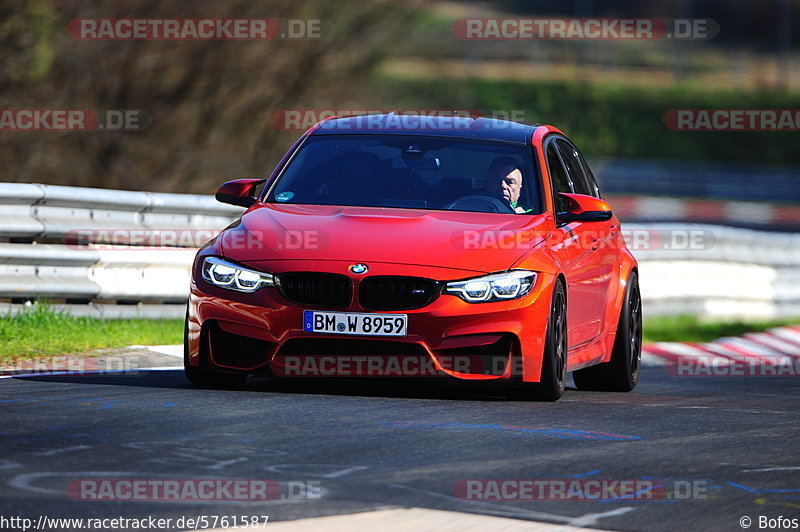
(428, 125)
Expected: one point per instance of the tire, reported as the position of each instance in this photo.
(554, 365)
(621, 373)
(206, 377)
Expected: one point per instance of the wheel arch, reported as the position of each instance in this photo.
(532, 362)
(627, 266)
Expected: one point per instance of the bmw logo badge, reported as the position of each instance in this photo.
(359, 268)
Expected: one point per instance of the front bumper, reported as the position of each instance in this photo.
(251, 333)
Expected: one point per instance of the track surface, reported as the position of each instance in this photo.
(371, 445)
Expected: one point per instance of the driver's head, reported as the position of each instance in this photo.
(504, 179)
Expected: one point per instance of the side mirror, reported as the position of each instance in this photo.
(239, 192)
(582, 208)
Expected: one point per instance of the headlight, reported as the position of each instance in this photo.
(234, 277)
(495, 287)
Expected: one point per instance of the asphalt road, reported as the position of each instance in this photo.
(364, 445)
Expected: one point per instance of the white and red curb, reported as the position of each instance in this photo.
(771, 353)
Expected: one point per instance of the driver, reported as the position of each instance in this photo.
(504, 180)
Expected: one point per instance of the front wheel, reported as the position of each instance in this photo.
(621, 373)
(554, 365)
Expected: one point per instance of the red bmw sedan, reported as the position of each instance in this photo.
(398, 245)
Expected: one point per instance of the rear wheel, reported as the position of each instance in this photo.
(206, 377)
(554, 365)
(621, 373)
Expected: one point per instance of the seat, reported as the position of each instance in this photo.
(358, 182)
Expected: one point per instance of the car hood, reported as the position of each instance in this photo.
(478, 242)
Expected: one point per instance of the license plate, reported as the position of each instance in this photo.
(349, 323)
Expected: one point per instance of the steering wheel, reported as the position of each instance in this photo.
(480, 203)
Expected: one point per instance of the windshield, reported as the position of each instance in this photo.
(414, 172)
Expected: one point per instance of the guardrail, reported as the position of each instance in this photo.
(79, 246)
(749, 214)
(92, 252)
(32, 212)
(717, 271)
(721, 181)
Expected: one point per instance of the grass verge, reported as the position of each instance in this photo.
(695, 329)
(40, 331)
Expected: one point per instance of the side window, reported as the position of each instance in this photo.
(558, 176)
(589, 176)
(579, 182)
